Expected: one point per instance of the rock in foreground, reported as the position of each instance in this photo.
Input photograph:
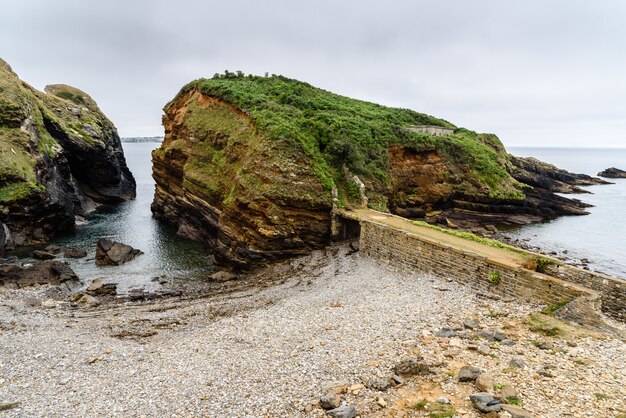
(112, 253)
(613, 173)
(47, 272)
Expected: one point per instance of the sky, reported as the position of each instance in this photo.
(536, 73)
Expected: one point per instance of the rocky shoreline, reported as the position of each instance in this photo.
(274, 341)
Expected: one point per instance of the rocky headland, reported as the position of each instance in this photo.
(60, 157)
(253, 166)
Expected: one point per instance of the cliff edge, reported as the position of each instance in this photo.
(254, 165)
(60, 156)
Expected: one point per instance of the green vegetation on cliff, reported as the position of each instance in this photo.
(335, 131)
(26, 118)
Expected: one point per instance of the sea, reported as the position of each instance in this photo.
(166, 255)
(599, 237)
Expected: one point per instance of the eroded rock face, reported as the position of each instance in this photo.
(248, 197)
(426, 184)
(59, 157)
(112, 253)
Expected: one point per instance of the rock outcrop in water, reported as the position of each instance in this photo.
(59, 157)
(613, 173)
(254, 165)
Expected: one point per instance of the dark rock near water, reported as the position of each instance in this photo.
(223, 276)
(47, 272)
(43, 255)
(74, 253)
(53, 248)
(112, 253)
(613, 173)
(99, 288)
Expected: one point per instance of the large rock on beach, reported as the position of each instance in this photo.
(46, 272)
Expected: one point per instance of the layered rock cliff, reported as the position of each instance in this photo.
(254, 165)
(59, 157)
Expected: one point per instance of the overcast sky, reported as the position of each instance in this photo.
(537, 73)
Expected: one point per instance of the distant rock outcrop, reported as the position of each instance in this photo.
(253, 166)
(613, 173)
(59, 157)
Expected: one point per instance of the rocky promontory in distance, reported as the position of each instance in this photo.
(613, 173)
(254, 165)
(143, 139)
(60, 157)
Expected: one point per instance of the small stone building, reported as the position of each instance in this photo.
(431, 130)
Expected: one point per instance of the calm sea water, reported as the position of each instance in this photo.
(600, 236)
(132, 223)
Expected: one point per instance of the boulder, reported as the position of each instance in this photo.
(469, 373)
(485, 382)
(484, 402)
(99, 288)
(87, 301)
(330, 401)
(43, 255)
(344, 411)
(517, 411)
(46, 272)
(613, 173)
(74, 253)
(112, 253)
(517, 363)
(412, 367)
(53, 248)
(379, 384)
(223, 276)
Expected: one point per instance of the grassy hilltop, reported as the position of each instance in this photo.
(334, 130)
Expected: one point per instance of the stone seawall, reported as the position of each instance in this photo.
(611, 289)
(408, 252)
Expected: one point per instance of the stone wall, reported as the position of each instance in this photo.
(408, 252)
(611, 289)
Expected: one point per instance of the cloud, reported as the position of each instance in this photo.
(533, 72)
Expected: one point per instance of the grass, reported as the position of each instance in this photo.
(495, 278)
(513, 400)
(472, 237)
(18, 103)
(542, 263)
(435, 409)
(551, 309)
(601, 396)
(333, 131)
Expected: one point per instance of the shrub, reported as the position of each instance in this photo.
(495, 278)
